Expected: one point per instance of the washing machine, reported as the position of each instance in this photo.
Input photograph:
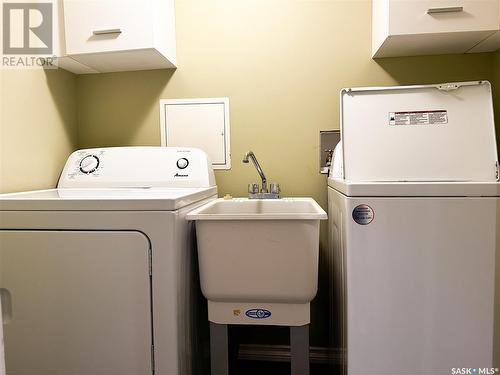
(98, 276)
(414, 212)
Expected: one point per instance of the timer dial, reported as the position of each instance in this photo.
(89, 164)
(182, 163)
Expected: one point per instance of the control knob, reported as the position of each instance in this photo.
(89, 164)
(182, 163)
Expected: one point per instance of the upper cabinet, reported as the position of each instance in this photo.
(117, 35)
(427, 27)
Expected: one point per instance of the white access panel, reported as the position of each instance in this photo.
(200, 123)
(77, 302)
(418, 283)
(419, 133)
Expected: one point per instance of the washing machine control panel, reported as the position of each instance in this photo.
(144, 167)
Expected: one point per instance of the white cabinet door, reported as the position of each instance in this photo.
(442, 16)
(93, 26)
(64, 61)
(76, 302)
(419, 27)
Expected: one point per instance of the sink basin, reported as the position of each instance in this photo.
(258, 259)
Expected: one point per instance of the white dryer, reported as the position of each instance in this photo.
(414, 212)
(97, 276)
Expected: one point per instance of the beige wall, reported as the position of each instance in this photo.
(37, 127)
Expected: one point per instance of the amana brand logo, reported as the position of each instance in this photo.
(258, 313)
(180, 175)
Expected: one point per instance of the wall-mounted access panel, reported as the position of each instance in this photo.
(202, 123)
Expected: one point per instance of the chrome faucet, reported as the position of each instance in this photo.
(253, 188)
(251, 155)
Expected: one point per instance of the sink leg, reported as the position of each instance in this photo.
(219, 349)
(299, 347)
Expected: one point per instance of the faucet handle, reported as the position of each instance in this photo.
(275, 188)
(253, 188)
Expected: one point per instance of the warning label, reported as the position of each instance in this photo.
(434, 117)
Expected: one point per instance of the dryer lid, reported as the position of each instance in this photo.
(107, 199)
(440, 132)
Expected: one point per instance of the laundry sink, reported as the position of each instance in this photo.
(258, 259)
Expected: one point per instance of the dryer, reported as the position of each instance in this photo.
(98, 276)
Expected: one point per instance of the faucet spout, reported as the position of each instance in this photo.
(251, 155)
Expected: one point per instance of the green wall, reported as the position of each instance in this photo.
(38, 127)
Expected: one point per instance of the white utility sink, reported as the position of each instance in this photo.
(259, 259)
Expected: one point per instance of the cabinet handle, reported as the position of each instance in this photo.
(445, 10)
(107, 31)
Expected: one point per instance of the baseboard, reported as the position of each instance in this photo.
(281, 353)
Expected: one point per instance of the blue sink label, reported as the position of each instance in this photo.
(258, 313)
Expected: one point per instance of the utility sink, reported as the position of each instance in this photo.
(258, 259)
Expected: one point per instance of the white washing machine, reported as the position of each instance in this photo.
(414, 214)
(96, 276)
